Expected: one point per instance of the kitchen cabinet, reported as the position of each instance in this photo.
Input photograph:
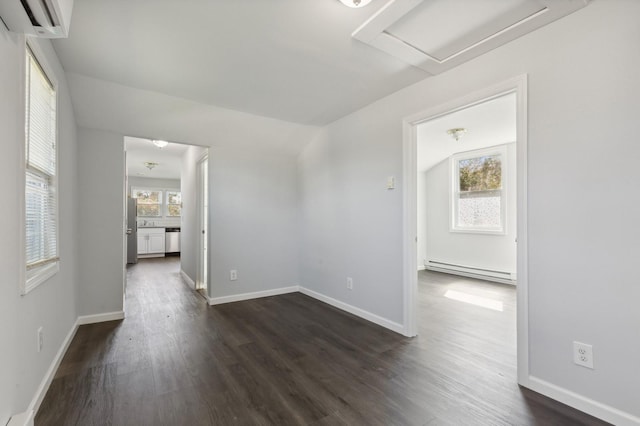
(151, 241)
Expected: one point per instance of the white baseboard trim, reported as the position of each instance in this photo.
(253, 295)
(421, 267)
(376, 319)
(22, 419)
(582, 403)
(108, 316)
(48, 377)
(191, 283)
(27, 418)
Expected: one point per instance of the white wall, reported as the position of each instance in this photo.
(252, 221)
(142, 182)
(350, 222)
(252, 171)
(494, 252)
(101, 226)
(52, 304)
(190, 228)
(583, 216)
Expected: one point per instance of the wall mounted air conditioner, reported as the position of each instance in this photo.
(40, 18)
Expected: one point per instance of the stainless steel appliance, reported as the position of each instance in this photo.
(132, 230)
(172, 241)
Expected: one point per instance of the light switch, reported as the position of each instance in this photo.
(391, 182)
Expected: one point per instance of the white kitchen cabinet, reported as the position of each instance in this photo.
(151, 241)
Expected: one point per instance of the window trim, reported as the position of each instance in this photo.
(33, 277)
(167, 203)
(454, 174)
(150, 189)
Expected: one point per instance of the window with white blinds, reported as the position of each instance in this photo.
(41, 210)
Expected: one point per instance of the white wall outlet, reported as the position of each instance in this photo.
(583, 354)
(349, 283)
(233, 275)
(40, 336)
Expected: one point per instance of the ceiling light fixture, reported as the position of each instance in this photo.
(355, 3)
(457, 132)
(150, 164)
(160, 144)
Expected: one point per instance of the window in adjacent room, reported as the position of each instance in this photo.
(41, 163)
(174, 203)
(478, 196)
(149, 202)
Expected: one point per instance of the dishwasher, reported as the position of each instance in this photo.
(172, 241)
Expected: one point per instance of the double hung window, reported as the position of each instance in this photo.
(41, 163)
(478, 195)
(149, 202)
(174, 203)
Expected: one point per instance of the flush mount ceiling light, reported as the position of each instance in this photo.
(355, 3)
(160, 144)
(457, 132)
(150, 165)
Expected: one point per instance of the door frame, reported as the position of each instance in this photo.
(517, 85)
(202, 263)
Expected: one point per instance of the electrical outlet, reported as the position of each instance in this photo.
(40, 336)
(349, 283)
(583, 354)
(233, 275)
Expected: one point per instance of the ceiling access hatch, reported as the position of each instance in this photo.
(436, 35)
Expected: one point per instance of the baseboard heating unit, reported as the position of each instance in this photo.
(472, 272)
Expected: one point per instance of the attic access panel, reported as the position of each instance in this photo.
(436, 35)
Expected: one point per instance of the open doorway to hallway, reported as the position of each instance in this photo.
(163, 203)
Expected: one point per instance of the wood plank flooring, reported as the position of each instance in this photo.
(291, 360)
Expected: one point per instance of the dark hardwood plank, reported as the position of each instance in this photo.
(291, 360)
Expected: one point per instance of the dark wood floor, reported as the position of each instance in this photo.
(293, 360)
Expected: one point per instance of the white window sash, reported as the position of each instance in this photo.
(41, 227)
(455, 194)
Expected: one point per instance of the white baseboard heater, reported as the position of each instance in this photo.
(472, 272)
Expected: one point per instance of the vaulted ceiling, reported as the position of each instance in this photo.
(294, 60)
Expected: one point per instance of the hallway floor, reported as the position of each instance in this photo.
(293, 360)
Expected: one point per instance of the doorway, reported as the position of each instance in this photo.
(516, 87)
(162, 194)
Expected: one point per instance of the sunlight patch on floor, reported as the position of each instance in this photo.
(496, 305)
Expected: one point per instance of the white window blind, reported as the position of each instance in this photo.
(41, 218)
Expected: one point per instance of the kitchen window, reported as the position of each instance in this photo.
(174, 203)
(41, 167)
(478, 191)
(149, 202)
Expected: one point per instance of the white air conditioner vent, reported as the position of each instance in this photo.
(40, 18)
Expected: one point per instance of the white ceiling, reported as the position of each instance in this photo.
(293, 60)
(169, 159)
(488, 124)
